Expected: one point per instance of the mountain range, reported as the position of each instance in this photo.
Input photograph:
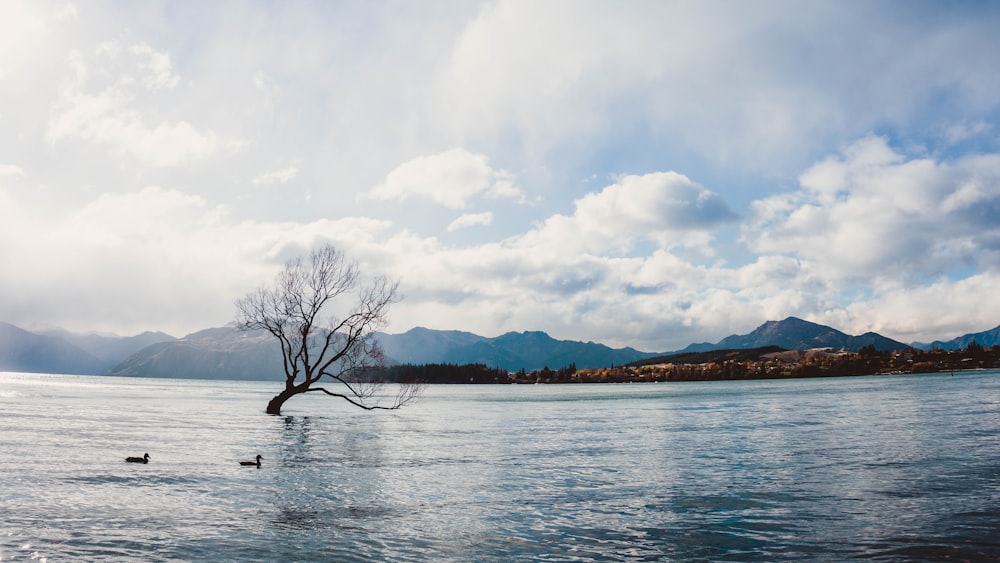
(796, 334)
(226, 353)
(60, 351)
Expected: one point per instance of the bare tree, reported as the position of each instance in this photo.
(336, 349)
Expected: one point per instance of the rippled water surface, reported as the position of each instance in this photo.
(899, 468)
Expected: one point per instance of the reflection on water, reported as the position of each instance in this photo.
(875, 467)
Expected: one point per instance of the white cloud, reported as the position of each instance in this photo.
(260, 80)
(155, 66)
(21, 24)
(451, 179)
(155, 259)
(279, 176)
(962, 131)
(873, 214)
(470, 220)
(747, 90)
(110, 116)
(66, 11)
(550, 86)
(17, 19)
(941, 310)
(664, 207)
(10, 171)
(12, 220)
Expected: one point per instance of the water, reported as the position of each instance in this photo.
(893, 468)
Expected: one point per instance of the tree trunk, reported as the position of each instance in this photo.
(274, 405)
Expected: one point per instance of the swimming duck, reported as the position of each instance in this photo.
(249, 463)
(143, 459)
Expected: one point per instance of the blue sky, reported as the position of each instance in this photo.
(643, 173)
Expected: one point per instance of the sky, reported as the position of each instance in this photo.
(645, 174)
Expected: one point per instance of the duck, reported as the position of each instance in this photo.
(251, 463)
(133, 459)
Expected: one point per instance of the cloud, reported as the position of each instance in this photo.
(469, 220)
(665, 207)
(157, 72)
(873, 214)
(109, 115)
(10, 171)
(18, 20)
(941, 310)
(551, 85)
(154, 259)
(755, 90)
(279, 176)
(451, 179)
(958, 132)
(153, 66)
(66, 11)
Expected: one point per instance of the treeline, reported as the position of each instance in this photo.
(758, 363)
(800, 364)
(444, 373)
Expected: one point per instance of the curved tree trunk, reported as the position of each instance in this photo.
(274, 405)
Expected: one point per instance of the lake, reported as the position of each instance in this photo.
(885, 467)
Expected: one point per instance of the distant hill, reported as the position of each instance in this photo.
(110, 350)
(796, 334)
(425, 346)
(511, 351)
(986, 339)
(215, 353)
(25, 351)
